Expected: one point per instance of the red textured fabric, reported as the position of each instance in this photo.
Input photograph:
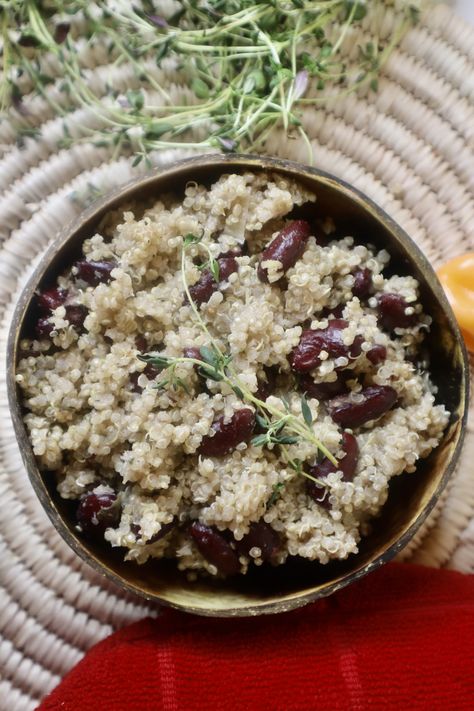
(401, 638)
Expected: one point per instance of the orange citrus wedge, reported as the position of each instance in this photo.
(457, 278)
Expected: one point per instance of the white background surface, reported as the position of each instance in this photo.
(465, 8)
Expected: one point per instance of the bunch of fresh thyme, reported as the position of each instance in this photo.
(240, 66)
(279, 427)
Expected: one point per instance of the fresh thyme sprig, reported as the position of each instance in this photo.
(280, 427)
(249, 66)
(214, 365)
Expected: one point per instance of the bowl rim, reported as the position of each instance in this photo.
(253, 162)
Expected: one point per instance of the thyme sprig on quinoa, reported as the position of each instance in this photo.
(239, 68)
(279, 427)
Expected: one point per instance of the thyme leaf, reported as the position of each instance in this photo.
(238, 392)
(306, 412)
(275, 495)
(259, 440)
(156, 360)
(214, 269)
(191, 239)
(285, 439)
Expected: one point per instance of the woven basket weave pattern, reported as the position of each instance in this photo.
(410, 147)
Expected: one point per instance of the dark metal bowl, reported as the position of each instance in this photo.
(411, 497)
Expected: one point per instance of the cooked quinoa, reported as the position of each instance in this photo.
(97, 419)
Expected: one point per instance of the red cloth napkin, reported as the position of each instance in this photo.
(401, 638)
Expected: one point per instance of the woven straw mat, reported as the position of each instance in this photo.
(410, 147)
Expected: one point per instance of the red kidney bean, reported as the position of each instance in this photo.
(362, 282)
(325, 391)
(94, 273)
(51, 299)
(261, 535)
(377, 354)
(215, 549)
(287, 247)
(347, 465)
(76, 315)
(391, 312)
(376, 401)
(320, 494)
(202, 291)
(228, 435)
(227, 266)
(96, 512)
(47, 301)
(266, 387)
(44, 327)
(305, 356)
(355, 349)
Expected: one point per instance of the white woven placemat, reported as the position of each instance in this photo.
(410, 147)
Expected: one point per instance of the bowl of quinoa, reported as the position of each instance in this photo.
(237, 385)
